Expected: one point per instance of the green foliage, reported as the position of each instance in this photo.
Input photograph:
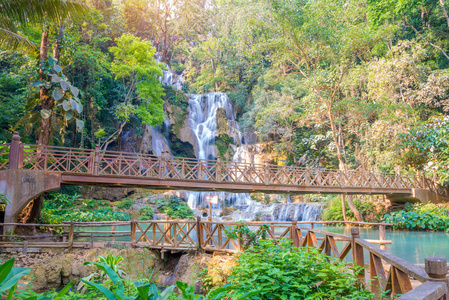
(176, 208)
(286, 272)
(68, 106)
(420, 217)
(146, 213)
(126, 204)
(223, 143)
(225, 292)
(245, 235)
(63, 207)
(135, 65)
(425, 147)
(117, 291)
(332, 210)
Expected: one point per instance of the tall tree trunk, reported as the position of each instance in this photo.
(343, 207)
(342, 167)
(443, 7)
(46, 101)
(335, 134)
(354, 209)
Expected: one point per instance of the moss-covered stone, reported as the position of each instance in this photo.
(222, 121)
(178, 147)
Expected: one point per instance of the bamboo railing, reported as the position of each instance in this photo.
(383, 271)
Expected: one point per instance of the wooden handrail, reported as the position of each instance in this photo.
(210, 236)
(113, 163)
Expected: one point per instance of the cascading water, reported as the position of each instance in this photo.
(202, 120)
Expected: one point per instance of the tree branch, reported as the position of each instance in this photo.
(431, 44)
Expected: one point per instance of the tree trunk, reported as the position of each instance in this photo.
(343, 207)
(46, 101)
(354, 209)
(335, 135)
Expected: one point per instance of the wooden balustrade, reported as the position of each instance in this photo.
(168, 168)
(387, 272)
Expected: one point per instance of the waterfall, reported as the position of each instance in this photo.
(203, 122)
(279, 212)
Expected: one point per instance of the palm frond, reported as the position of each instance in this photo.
(25, 11)
(12, 41)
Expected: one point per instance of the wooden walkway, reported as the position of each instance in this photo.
(386, 271)
(123, 169)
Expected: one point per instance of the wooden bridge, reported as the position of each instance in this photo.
(28, 170)
(382, 271)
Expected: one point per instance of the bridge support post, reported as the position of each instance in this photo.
(294, 233)
(218, 170)
(21, 186)
(357, 253)
(266, 177)
(96, 168)
(436, 268)
(382, 236)
(15, 153)
(199, 233)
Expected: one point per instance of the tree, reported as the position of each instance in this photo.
(134, 64)
(21, 12)
(167, 22)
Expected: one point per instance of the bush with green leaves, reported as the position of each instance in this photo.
(126, 204)
(64, 207)
(332, 210)
(286, 272)
(176, 208)
(420, 217)
(146, 213)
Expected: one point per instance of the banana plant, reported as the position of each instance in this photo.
(225, 292)
(44, 297)
(10, 276)
(145, 291)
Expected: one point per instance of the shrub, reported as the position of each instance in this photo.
(126, 204)
(146, 213)
(286, 272)
(333, 211)
(420, 217)
(176, 208)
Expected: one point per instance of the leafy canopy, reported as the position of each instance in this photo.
(135, 65)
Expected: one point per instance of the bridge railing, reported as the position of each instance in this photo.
(382, 271)
(111, 163)
(4, 156)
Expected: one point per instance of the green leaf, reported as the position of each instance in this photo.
(65, 85)
(58, 93)
(5, 268)
(107, 293)
(79, 124)
(166, 293)
(11, 292)
(75, 91)
(69, 115)
(57, 68)
(63, 291)
(38, 83)
(13, 278)
(45, 113)
(66, 105)
(55, 78)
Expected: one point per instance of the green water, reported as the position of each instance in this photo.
(413, 246)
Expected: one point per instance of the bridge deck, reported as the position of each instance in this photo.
(124, 169)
